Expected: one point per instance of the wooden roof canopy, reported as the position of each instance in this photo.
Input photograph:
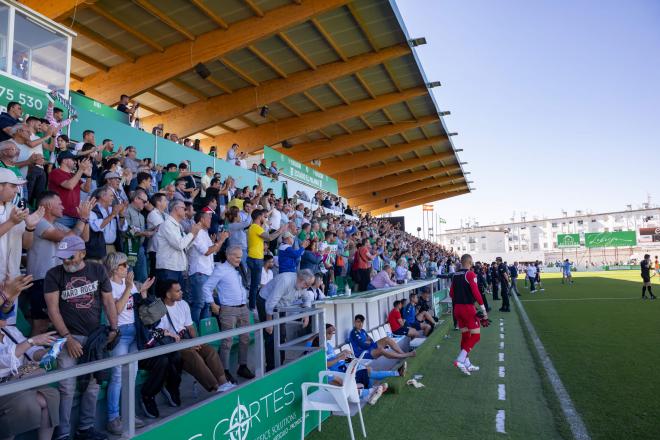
(339, 78)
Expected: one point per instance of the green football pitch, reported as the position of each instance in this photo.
(604, 342)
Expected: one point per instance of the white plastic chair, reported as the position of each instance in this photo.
(333, 397)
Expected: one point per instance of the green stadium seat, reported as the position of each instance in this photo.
(208, 326)
(22, 324)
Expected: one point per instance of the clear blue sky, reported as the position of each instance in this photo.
(557, 102)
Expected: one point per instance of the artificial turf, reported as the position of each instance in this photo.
(605, 344)
(453, 406)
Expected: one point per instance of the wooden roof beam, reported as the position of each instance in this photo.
(89, 60)
(267, 61)
(364, 85)
(404, 189)
(153, 10)
(256, 10)
(417, 202)
(363, 26)
(150, 109)
(339, 94)
(298, 51)
(385, 182)
(426, 192)
(272, 133)
(210, 14)
(240, 72)
(216, 82)
(126, 28)
(320, 149)
(188, 89)
(166, 98)
(157, 68)
(289, 108)
(328, 38)
(339, 164)
(313, 100)
(56, 9)
(107, 44)
(359, 175)
(202, 115)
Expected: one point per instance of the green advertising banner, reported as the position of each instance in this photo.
(568, 240)
(610, 239)
(33, 100)
(300, 172)
(83, 102)
(265, 409)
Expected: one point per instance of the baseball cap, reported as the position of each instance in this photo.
(65, 155)
(8, 176)
(112, 175)
(69, 246)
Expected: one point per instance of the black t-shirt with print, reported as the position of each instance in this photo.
(79, 295)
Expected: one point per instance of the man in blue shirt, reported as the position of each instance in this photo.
(566, 272)
(9, 118)
(360, 342)
(414, 319)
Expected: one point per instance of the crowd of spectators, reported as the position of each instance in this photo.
(100, 225)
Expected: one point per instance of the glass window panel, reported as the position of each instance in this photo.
(39, 55)
(4, 28)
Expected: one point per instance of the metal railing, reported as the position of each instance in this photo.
(131, 360)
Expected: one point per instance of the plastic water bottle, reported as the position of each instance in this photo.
(347, 290)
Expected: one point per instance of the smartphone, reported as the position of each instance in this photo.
(21, 204)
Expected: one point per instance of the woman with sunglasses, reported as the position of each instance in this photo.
(123, 291)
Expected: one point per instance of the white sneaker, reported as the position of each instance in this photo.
(472, 368)
(542, 290)
(533, 291)
(376, 394)
(226, 387)
(461, 366)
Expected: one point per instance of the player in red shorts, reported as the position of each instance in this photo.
(464, 291)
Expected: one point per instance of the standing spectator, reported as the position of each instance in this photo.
(31, 158)
(231, 153)
(237, 227)
(137, 232)
(288, 258)
(283, 291)
(256, 236)
(267, 271)
(123, 293)
(16, 226)
(226, 279)
(10, 118)
(41, 256)
(206, 180)
(201, 255)
(67, 184)
(75, 292)
(105, 223)
(88, 137)
(513, 273)
(113, 181)
(55, 117)
(362, 264)
(172, 244)
(154, 220)
(202, 362)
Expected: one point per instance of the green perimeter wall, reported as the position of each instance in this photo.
(264, 409)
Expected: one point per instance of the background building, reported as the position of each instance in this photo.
(527, 240)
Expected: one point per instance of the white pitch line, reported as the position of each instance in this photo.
(578, 299)
(501, 345)
(573, 418)
(502, 372)
(501, 392)
(499, 421)
(500, 357)
(501, 335)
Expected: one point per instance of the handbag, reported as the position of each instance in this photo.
(151, 311)
(183, 334)
(29, 368)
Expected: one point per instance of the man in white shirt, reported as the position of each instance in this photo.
(202, 362)
(284, 290)
(531, 275)
(173, 244)
(229, 283)
(108, 220)
(200, 256)
(206, 180)
(154, 219)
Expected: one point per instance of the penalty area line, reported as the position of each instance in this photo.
(573, 418)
